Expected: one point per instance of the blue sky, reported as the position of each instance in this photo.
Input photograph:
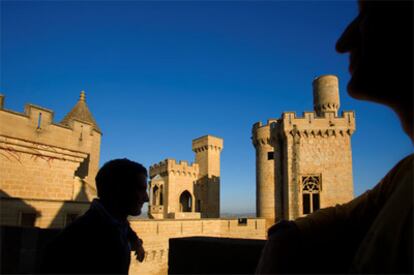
(158, 74)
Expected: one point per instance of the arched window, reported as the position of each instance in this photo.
(185, 202)
(161, 195)
(311, 187)
(155, 192)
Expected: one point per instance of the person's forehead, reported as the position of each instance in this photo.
(142, 177)
(141, 180)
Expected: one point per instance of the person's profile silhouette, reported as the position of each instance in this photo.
(101, 240)
(374, 232)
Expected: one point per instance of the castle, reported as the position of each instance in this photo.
(180, 190)
(47, 173)
(304, 163)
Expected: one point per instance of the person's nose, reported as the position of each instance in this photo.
(350, 38)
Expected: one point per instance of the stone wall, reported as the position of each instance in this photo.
(319, 146)
(156, 233)
(30, 175)
(49, 213)
(45, 167)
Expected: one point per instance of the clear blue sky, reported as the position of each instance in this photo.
(158, 74)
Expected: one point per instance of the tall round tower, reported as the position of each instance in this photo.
(265, 172)
(325, 94)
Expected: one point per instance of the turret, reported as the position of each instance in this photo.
(265, 171)
(80, 112)
(207, 150)
(325, 94)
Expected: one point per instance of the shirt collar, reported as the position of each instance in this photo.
(99, 207)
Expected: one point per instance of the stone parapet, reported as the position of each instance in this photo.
(207, 142)
(261, 133)
(326, 125)
(156, 209)
(184, 215)
(21, 253)
(167, 166)
(37, 124)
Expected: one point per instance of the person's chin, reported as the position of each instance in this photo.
(136, 212)
(357, 85)
(368, 86)
(354, 89)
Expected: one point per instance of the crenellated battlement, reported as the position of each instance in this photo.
(328, 123)
(39, 115)
(179, 168)
(269, 123)
(261, 133)
(207, 142)
(36, 124)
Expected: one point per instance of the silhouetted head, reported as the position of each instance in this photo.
(122, 185)
(380, 43)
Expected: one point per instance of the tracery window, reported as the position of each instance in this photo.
(311, 188)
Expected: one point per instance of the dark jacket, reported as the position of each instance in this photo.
(91, 244)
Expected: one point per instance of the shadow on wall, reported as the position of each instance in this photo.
(70, 210)
(18, 249)
(15, 211)
(20, 240)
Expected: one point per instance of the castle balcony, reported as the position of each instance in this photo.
(156, 209)
(184, 215)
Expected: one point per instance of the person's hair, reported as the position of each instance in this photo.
(117, 177)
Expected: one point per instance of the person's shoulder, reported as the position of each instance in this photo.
(82, 227)
(406, 162)
(403, 169)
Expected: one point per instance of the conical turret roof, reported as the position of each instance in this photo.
(80, 112)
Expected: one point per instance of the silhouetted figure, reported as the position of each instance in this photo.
(101, 240)
(374, 232)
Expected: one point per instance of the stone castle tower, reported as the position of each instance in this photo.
(47, 168)
(304, 163)
(181, 190)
